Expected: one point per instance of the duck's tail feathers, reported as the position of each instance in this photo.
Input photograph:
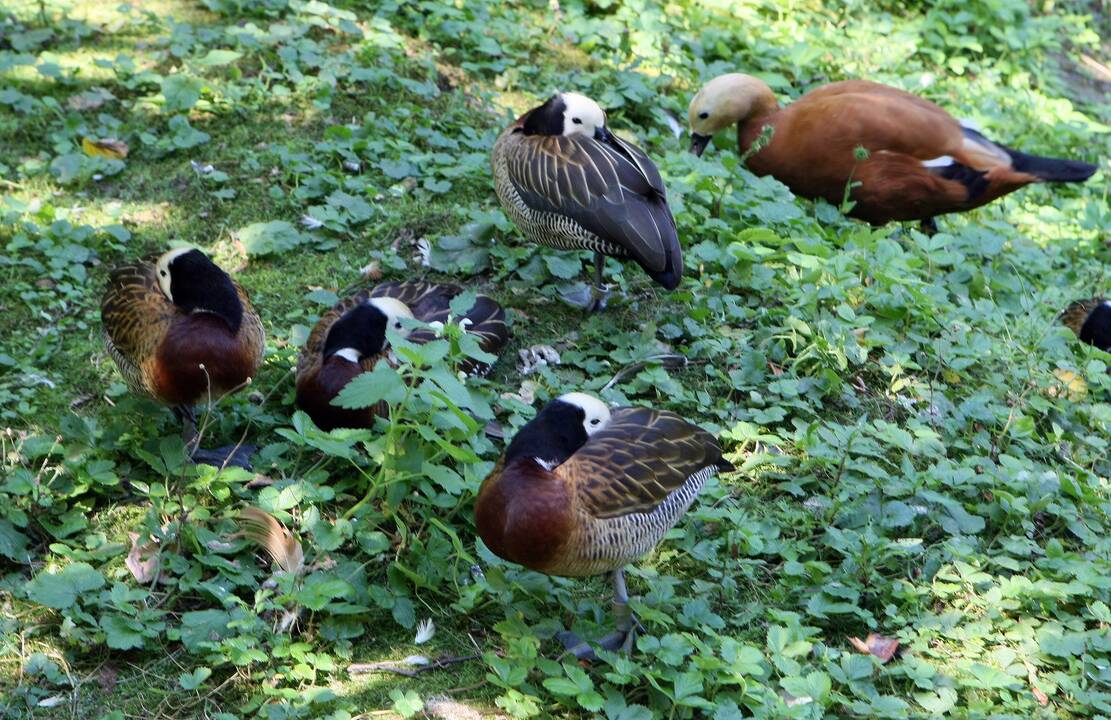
(1051, 169)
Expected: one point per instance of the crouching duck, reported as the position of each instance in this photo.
(181, 331)
(921, 162)
(584, 489)
(351, 339)
(1091, 321)
(567, 182)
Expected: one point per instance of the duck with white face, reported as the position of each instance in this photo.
(585, 489)
(566, 181)
(353, 337)
(183, 332)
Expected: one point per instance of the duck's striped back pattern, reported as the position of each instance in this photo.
(545, 228)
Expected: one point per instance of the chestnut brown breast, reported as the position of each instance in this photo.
(524, 514)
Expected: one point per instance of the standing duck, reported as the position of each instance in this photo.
(182, 331)
(1091, 321)
(351, 338)
(921, 162)
(566, 181)
(583, 489)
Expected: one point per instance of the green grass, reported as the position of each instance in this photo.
(913, 459)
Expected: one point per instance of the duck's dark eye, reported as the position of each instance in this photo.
(595, 421)
(703, 115)
(577, 121)
(163, 273)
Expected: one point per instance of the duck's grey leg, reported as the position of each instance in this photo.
(229, 455)
(593, 298)
(622, 638)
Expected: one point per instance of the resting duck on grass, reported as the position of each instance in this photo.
(921, 162)
(585, 489)
(1091, 321)
(183, 332)
(567, 182)
(351, 338)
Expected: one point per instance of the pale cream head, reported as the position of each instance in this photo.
(394, 310)
(727, 100)
(162, 266)
(596, 412)
(583, 116)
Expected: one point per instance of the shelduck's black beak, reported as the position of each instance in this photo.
(699, 143)
(601, 134)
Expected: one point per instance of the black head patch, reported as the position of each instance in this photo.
(1097, 328)
(363, 328)
(198, 284)
(546, 119)
(553, 435)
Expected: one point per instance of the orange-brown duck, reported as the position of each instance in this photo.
(1091, 321)
(182, 332)
(921, 162)
(583, 489)
(351, 339)
(567, 182)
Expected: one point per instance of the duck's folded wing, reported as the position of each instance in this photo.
(134, 312)
(639, 459)
(613, 191)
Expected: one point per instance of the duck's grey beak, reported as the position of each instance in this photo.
(601, 134)
(699, 143)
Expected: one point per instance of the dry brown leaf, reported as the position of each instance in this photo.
(881, 647)
(142, 560)
(261, 527)
(107, 678)
(105, 147)
(1032, 678)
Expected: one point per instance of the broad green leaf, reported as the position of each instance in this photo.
(62, 589)
(181, 92)
(368, 389)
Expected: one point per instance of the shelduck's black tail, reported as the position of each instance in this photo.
(1051, 169)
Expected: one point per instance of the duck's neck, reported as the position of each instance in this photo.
(550, 439)
(213, 293)
(753, 109)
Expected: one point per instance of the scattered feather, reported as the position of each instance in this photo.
(673, 123)
(202, 169)
(525, 394)
(90, 99)
(529, 360)
(444, 708)
(414, 660)
(879, 646)
(792, 701)
(143, 560)
(260, 527)
(424, 252)
(352, 166)
(425, 630)
(311, 223)
(371, 271)
(105, 147)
